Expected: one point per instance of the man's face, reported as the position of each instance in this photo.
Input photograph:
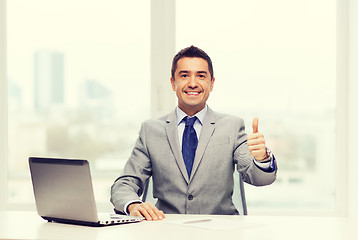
(192, 84)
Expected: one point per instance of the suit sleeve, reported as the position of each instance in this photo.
(251, 173)
(130, 185)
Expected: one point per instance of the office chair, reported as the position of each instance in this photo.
(239, 198)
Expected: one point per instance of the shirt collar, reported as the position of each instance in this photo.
(200, 115)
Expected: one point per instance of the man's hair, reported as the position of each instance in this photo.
(192, 52)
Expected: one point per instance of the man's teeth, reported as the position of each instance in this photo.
(192, 93)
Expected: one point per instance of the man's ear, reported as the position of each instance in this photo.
(173, 84)
(212, 84)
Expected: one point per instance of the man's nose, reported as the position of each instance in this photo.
(193, 82)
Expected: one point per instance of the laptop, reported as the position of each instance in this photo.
(64, 193)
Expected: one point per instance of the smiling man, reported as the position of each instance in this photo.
(192, 152)
(192, 82)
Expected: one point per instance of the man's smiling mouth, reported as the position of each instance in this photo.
(191, 93)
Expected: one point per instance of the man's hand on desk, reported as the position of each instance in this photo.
(147, 210)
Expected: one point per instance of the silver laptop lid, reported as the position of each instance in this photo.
(63, 189)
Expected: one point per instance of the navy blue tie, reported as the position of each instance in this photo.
(189, 144)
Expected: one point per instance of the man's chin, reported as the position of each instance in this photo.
(192, 108)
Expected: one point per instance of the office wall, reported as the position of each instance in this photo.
(3, 104)
(353, 108)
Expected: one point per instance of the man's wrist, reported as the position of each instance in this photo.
(267, 158)
(268, 164)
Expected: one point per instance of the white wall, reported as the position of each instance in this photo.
(3, 104)
(353, 108)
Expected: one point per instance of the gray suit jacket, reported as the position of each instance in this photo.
(222, 145)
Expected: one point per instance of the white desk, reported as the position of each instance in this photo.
(28, 225)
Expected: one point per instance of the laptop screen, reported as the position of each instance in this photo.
(63, 189)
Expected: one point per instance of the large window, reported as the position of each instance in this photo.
(82, 76)
(275, 60)
(78, 85)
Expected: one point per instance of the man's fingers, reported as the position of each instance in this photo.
(141, 211)
(154, 211)
(255, 125)
(148, 213)
(147, 210)
(255, 141)
(259, 154)
(159, 213)
(136, 213)
(257, 147)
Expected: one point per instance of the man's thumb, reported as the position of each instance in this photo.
(255, 125)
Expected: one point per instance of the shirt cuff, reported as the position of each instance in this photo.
(125, 209)
(268, 164)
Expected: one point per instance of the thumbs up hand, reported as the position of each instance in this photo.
(256, 142)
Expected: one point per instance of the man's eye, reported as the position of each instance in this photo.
(201, 76)
(184, 75)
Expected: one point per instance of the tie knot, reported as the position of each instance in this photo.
(190, 121)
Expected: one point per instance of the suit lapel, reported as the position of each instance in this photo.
(205, 135)
(172, 133)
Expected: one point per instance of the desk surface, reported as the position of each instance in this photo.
(28, 225)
